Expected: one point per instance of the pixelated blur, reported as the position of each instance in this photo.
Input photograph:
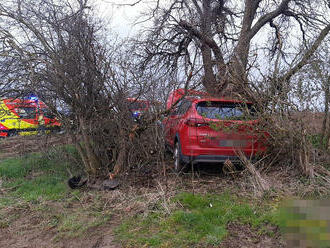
(306, 223)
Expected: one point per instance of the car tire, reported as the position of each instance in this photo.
(12, 133)
(179, 165)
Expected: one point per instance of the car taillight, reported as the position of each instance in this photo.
(196, 122)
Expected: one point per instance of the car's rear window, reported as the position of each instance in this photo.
(225, 111)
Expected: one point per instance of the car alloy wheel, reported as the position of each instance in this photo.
(176, 157)
(178, 163)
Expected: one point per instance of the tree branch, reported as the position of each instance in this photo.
(268, 17)
(206, 40)
(200, 12)
(308, 53)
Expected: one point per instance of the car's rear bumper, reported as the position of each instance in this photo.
(209, 159)
(198, 152)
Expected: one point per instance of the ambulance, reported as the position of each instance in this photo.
(26, 116)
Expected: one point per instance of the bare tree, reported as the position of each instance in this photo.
(58, 51)
(228, 37)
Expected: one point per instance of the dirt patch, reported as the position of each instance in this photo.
(243, 236)
(27, 237)
(32, 229)
(20, 145)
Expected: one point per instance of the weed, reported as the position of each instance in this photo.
(317, 141)
(77, 224)
(33, 178)
(200, 221)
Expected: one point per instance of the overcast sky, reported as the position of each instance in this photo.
(121, 17)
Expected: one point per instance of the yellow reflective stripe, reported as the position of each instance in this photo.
(11, 121)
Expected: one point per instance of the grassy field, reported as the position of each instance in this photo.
(34, 187)
(204, 211)
(195, 220)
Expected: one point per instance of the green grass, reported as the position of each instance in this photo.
(200, 221)
(77, 224)
(36, 176)
(33, 178)
(36, 186)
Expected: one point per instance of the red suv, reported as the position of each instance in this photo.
(205, 129)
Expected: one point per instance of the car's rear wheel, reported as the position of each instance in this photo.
(179, 165)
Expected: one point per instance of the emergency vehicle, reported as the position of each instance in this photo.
(25, 117)
(138, 107)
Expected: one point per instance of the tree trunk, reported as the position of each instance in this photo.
(92, 163)
(304, 157)
(209, 80)
(122, 156)
(326, 134)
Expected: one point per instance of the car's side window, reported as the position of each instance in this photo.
(181, 108)
(184, 106)
(175, 111)
(26, 112)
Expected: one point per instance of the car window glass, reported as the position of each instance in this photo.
(26, 112)
(185, 105)
(225, 111)
(47, 113)
(175, 110)
(181, 108)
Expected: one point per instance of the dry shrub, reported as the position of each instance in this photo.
(122, 143)
(260, 185)
(289, 144)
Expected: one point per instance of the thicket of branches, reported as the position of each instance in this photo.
(59, 52)
(256, 50)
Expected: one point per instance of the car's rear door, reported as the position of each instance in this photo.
(174, 121)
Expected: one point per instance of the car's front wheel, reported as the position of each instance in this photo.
(179, 165)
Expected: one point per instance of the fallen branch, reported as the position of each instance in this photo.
(260, 182)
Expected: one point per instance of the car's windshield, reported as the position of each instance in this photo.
(225, 110)
(26, 112)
